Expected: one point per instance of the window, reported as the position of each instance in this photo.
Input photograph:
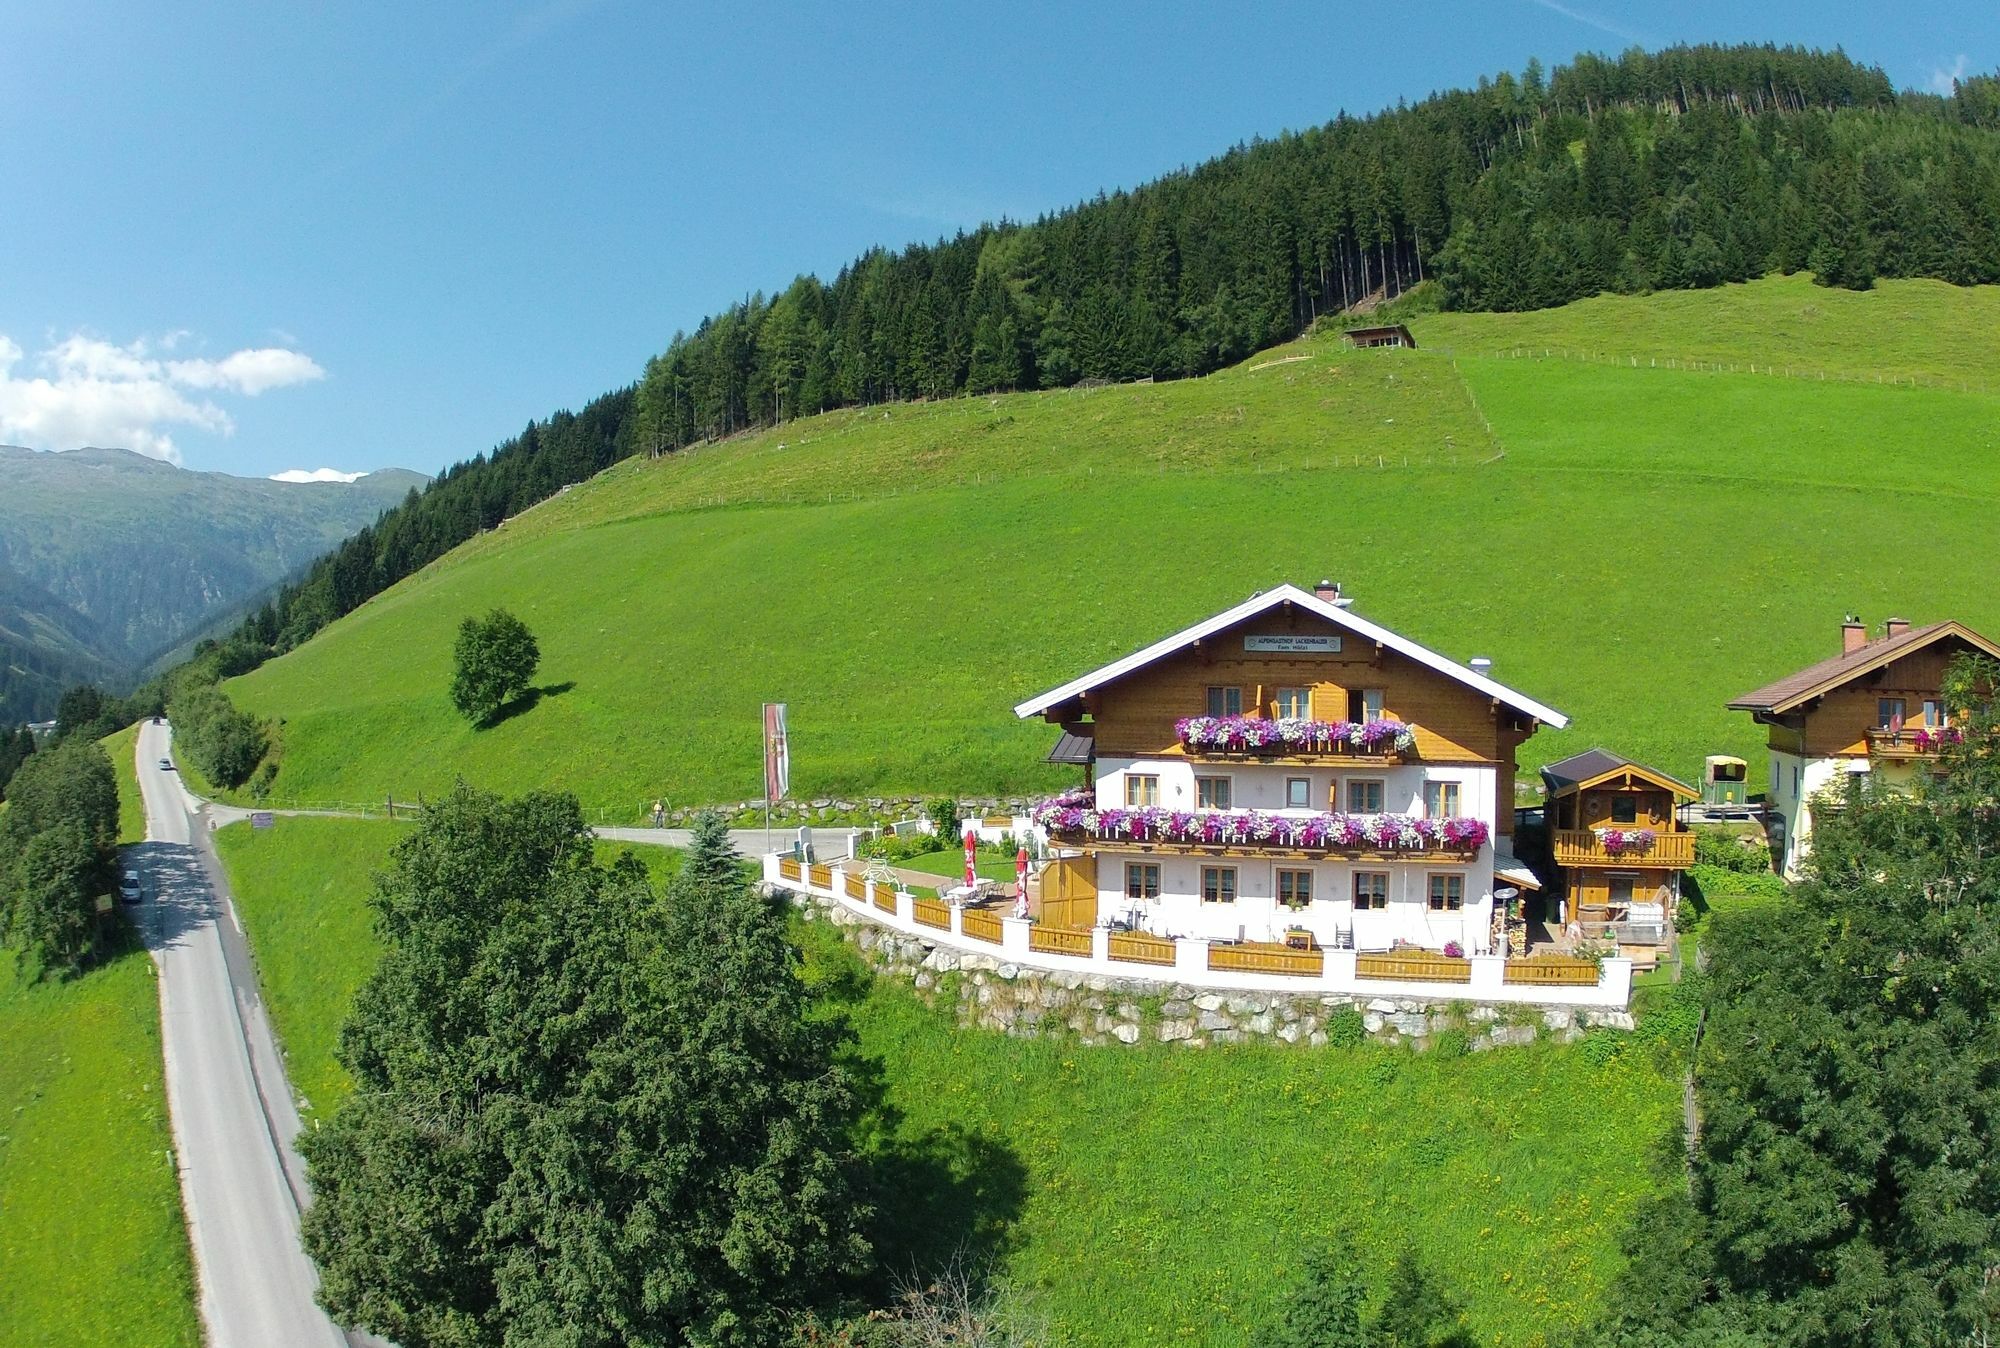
(1371, 890)
(1225, 702)
(1211, 793)
(1619, 889)
(1624, 808)
(1889, 713)
(1364, 795)
(1295, 888)
(1934, 713)
(1141, 788)
(1218, 884)
(1295, 704)
(1441, 800)
(1298, 793)
(1142, 880)
(1447, 893)
(1365, 704)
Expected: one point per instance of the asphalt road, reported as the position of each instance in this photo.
(233, 1121)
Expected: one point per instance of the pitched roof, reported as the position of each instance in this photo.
(1311, 603)
(1815, 680)
(1595, 764)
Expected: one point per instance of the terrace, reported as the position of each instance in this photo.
(1294, 741)
(1250, 965)
(1074, 819)
(1921, 742)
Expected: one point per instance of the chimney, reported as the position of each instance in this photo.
(1853, 636)
(1329, 592)
(1895, 627)
(1482, 666)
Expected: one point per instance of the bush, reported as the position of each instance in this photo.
(223, 742)
(1727, 851)
(1345, 1027)
(944, 817)
(492, 663)
(57, 850)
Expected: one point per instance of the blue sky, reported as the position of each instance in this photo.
(260, 237)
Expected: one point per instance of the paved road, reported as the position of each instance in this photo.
(241, 1183)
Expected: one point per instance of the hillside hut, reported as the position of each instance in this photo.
(1393, 335)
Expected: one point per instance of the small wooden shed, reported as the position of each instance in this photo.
(1393, 335)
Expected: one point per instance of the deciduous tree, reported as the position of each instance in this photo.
(492, 664)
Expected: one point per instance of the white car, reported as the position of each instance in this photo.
(128, 888)
(166, 765)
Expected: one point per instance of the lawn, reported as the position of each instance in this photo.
(1652, 543)
(1142, 1195)
(92, 1250)
(301, 888)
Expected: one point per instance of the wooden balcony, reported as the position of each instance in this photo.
(1585, 847)
(1909, 742)
(1284, 756)
(1095, 842)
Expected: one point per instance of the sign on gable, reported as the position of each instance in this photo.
(1293, 644)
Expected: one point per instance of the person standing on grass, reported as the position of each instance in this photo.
(659, 814)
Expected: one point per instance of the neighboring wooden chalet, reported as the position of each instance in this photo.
(1615, 836)
(1874, 708)
(1288, 772)
(1394, 334)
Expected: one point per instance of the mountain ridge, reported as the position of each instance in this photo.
(110, 560)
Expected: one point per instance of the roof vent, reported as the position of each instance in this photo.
(1329, 592)
(1482, 666)
(1853, 636)
(1895, 627)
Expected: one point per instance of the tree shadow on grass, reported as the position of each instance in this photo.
(525, 703)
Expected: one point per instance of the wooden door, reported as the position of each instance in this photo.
(1069, 893)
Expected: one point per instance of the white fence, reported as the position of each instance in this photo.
(1490, 978)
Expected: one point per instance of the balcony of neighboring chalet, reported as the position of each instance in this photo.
(1641, 848)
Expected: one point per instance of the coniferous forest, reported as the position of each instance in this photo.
(1684, 168)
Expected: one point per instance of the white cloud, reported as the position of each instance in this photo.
(92, 392)
(1944, 80)
(316, 475)
(249, 372)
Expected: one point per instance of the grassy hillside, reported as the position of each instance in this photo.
(1653, 541)
(1144, 1196)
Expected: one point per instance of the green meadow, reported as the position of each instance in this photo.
(1631, 543)
(92, 1249)
(1139, 1196)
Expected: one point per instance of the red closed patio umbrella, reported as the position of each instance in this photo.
(971, 852)
(1021, 874)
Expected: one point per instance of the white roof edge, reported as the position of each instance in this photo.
(1311, 603)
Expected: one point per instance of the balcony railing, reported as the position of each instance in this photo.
(1074, 818)
(1594, 847)
(1912, 741)
(1288, 739)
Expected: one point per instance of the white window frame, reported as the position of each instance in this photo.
(1301, 700)
(1132, 788)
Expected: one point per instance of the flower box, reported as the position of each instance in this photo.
(1293, 735)
(1076, 812)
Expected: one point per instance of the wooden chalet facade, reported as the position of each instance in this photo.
(1875, 708)
(1619, 847)
(1287, 772)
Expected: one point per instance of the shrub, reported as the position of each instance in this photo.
(1345, 1027)
(1727, 851)
(223, 742)
(944, 817)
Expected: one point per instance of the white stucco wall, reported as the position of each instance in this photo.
(1795, 780)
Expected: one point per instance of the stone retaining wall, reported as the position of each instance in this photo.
(989, 992)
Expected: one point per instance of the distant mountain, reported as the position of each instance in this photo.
(109, 559)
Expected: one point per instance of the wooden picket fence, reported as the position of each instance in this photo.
(1059, 941)
(1138, 947)
(1420, 966)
